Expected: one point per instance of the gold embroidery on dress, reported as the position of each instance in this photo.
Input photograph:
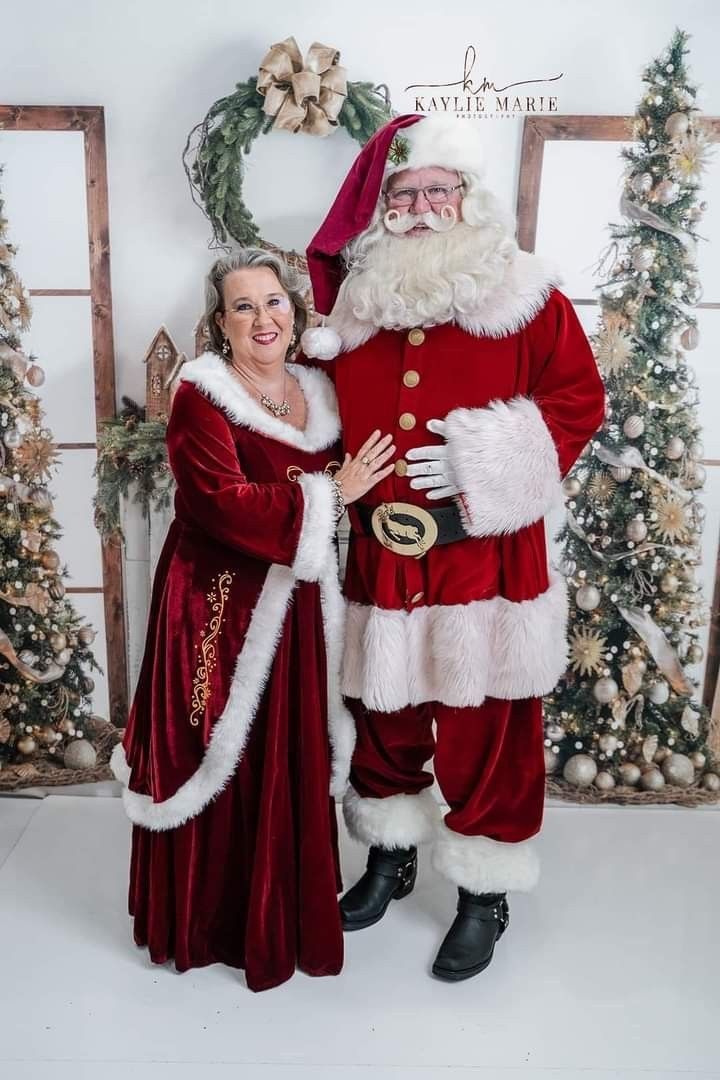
(294, 472)
(201, 682)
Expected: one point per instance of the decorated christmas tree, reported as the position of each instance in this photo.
(44, 702)
(626, 715)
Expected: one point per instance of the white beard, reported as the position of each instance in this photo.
(398, 282)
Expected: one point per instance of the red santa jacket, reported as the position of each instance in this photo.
(519, 388)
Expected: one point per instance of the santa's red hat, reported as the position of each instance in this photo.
(406, 142)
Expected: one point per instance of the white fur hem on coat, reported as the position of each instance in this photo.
(399, 821)
(459, 654)
(231, 731)
(481, 865)
(506, 465)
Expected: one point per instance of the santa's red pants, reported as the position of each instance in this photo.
(489, 765)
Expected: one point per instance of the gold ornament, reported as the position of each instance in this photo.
(586, 649)
(5, 729)
(602, 487)
(302, 95)
(672, 522)
(613, 348)
(86, 635)
(50, 559)
(37, 454)
(670, 583)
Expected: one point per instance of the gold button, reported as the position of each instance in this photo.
(411, 378)
(401, 467)
(417, 597)
(407, 421)
(416, 337)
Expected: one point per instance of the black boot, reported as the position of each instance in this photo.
(390, 875)
(470, 942)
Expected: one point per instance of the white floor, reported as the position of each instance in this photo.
(610, 971)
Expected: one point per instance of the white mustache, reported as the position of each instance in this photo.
(398, 223)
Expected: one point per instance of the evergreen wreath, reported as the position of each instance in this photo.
(216, 148)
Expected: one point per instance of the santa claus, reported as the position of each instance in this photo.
(442, 332)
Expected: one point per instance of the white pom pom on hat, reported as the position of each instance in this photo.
(321, 343)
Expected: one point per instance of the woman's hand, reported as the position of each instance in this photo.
(361, 473)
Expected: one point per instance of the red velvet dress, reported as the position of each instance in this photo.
(237, 724)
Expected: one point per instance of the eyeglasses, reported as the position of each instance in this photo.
(274, 305)
(435, 194)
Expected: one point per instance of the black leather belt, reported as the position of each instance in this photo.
(407, 529)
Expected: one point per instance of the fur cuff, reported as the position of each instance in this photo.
(481, 865)
(506, 463)
(399, 821)
(316, 546)
(321, 343)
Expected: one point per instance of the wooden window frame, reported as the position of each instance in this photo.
(536, 132)
(90, 120)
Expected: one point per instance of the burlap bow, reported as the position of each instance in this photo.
(302, 97)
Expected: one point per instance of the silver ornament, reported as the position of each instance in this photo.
(695, 475)
(652, 780)
(690, 338)
(629, 774)
(555, 733)
(674, 448)
(12, 439)
(678, 770)
(642, 183)
(568, 567)
(666, 192)
(571, 486)
(634, 427)
(698, 759)
(608, 743)
(35, 375)
(604, 781)
(580, 770)
(642, 258)
(6, 486)
(659, 692)
(587, 597)
(676, 124)
(80, 754)
(552, 761)
(64, 657)
(696, 449)
(621, 473)
(711, 781)
(636, 530)
(605, 690)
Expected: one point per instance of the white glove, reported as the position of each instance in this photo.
(433, 469)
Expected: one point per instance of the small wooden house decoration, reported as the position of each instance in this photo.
(162, 367)
(202, 341)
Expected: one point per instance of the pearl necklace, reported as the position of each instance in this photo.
(277, 408)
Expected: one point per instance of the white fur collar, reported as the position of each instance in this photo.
(210, 375)
(511, 306)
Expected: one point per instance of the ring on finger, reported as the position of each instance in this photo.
(365, 461)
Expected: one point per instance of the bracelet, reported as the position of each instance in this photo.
(339, 498)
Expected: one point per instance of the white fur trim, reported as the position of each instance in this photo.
(459, 654)
(317, 535)
(506, 464)
(398, 821)
(481, 865)
(512, 305)
(321, 343)
(231, 731)
(210, 374)
(442, 141)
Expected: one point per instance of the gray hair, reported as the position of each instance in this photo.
(246, 258)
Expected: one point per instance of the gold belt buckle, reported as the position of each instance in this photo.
(404, 529)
